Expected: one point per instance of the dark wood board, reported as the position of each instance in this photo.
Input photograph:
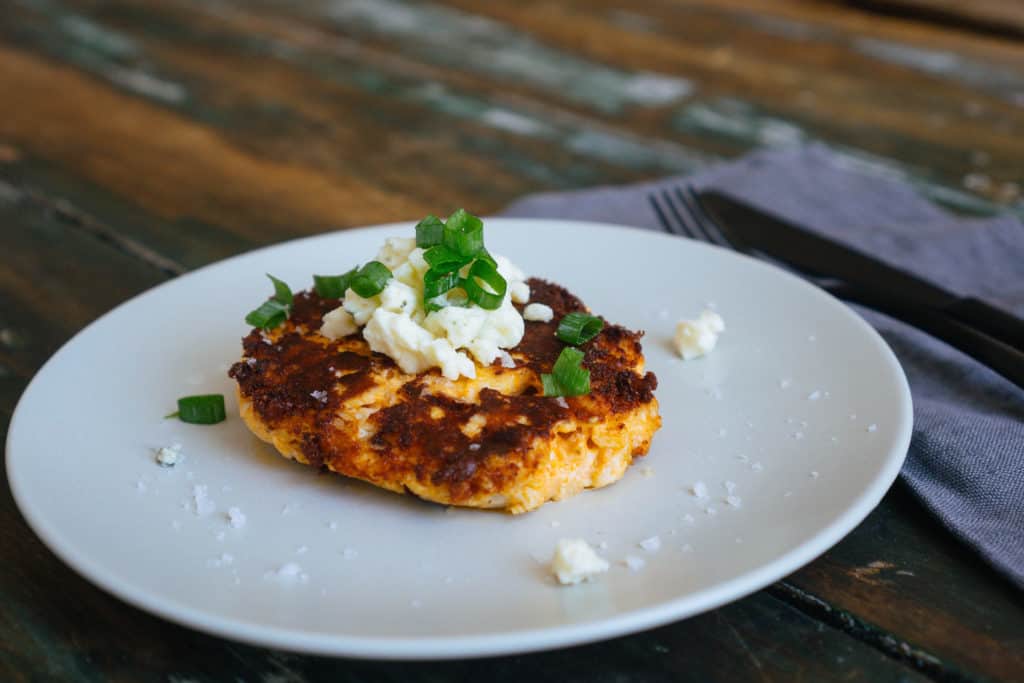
(144, 139)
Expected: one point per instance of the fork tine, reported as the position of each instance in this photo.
(685, 226)
(662, 217)
(707, 225)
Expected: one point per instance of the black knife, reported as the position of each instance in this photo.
(989, 334)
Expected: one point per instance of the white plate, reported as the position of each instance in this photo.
(802, 406)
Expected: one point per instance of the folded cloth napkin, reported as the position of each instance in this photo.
(966, 459)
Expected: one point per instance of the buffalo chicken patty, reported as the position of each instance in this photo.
(491, 442)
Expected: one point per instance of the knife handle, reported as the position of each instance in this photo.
(989, 319)
(1001, 357)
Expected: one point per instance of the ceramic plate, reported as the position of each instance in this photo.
(796, 425)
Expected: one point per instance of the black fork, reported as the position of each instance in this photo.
(680, 213)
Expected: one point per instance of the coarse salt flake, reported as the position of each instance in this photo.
(236, 518)
(287, 571)
(651, 545)
(699, 489)
(633, 563)
(202, 505)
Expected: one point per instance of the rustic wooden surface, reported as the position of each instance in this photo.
(139, 140)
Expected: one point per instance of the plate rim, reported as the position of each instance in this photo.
(494, 644)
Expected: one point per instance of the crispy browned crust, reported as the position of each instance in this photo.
(493, 441)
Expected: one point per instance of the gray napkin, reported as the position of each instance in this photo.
(966, 459)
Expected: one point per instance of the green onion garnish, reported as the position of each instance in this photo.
(282, 292)
(437, 282)
(275, 310)
(269, 315)
(464, 234)
(333, 286)
(568, 377)
(206, 409)
(459, 244)
(484, 272)
(444, 258)
(578, 328)
(370, 280)
(429, 232)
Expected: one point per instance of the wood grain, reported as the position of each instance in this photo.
(998, 17)
(144, 139)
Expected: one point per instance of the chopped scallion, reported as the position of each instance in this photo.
(568, 376)
(282, 292)
(370, 280)
(464, 234)
(205, 409)
(578, 328)
(437, 282)
(443, 258)
(429, 232)
(269, 315)
(484, 273)
(275, 310)
(333, 286)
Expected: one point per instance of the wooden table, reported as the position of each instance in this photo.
(139, 140)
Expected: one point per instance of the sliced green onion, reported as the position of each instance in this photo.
(568, 377)
(206, 409)
(578, 328)
(269, 315)
(333, 286)
(282, 292)
(437, 282)
(444, 259)
(464, 234)
(482, 271)
(429, 232)
(485, 255)
(275, 310)
(370, 280)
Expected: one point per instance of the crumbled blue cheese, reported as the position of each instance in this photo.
(576, 561)
(169, 456)
(396, 323)
(695, 338)
(538, 312)
(338, 323)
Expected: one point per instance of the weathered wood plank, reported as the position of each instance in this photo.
(937, 595)
(991, 16)
(171, 167)
(212, 128)
(758, 88)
